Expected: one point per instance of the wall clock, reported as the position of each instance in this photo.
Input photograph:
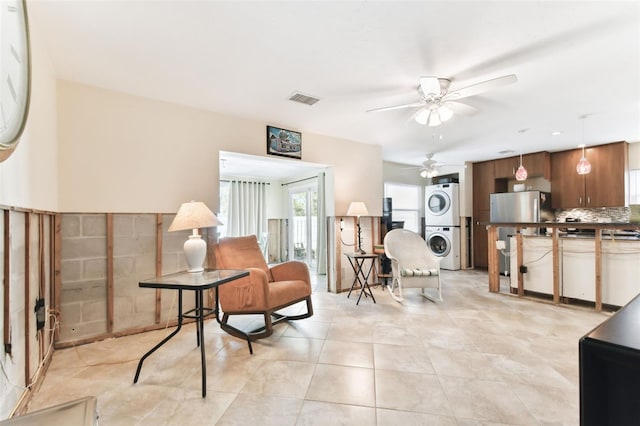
(15, 73)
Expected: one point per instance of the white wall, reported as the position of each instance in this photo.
(123, 153)
(29, 177)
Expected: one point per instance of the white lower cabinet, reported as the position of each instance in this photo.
(620, 271)
(537, 256)
(578, 262)
(620, 268)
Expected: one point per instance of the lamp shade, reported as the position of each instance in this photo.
(357, 208)
(428, 172)
(445, 113)
(433, 115)
(422, 116)
(194, 215)
(434, 118)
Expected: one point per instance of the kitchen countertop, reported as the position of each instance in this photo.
(576, 225)
(605, 236)
(609, 230)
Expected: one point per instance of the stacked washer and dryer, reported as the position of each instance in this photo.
(442, 223)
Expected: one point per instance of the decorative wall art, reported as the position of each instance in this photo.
(285, 143)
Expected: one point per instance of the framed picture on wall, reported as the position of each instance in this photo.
(285, 143)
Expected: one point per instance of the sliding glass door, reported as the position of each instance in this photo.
(303, 229)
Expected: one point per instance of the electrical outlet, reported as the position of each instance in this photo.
(500, 245)
(40, 313)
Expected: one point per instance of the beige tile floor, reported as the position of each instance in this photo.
(475, 358)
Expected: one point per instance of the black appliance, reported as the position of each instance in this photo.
(610, 370)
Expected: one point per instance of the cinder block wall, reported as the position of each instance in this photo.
(85, 296)
(134, 258)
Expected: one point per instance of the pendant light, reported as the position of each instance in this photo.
(521, 173)
(583, 167)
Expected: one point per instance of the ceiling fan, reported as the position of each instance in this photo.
(439, 103)
(430, 168)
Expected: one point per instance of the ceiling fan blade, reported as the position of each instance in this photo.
(477, 88)
(389, 108)
(460, 108)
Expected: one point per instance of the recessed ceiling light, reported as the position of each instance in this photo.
(556, 133)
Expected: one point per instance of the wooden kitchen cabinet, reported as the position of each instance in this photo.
(567, 186)
(480, 238)
(603, 187)
(505, 168)
(483, 185)
(537, 164)
(606, 186)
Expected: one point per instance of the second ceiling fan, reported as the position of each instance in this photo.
(439, 103)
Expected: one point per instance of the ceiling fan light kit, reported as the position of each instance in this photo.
(428, 172)
(429, 167)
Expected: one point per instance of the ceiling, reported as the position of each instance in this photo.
(246, 59)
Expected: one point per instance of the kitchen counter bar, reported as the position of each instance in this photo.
(599, 227)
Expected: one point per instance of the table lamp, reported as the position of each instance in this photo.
(357, 209)
(194, 215)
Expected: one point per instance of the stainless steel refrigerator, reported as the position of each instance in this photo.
(518, 207)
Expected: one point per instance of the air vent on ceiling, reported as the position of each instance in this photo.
(303, 99)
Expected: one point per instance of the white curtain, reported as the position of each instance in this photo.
(321, 240)
(247, 208)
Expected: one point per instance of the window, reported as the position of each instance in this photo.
(634, 186)
(406, 201)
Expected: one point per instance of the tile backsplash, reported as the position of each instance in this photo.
(604, 214)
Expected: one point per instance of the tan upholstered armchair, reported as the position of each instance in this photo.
(265, 291)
